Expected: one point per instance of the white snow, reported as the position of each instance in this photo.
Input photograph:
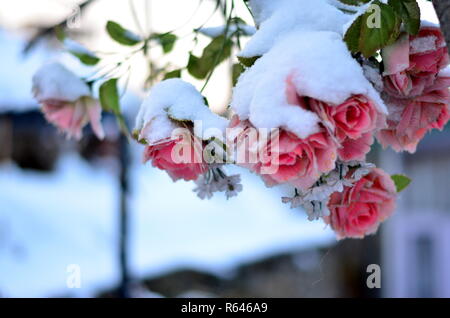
(423, 44)
(54, 81)
(279, 18)
(51, 221)
(75, 47)
(445, 72)
(243, 29)
(178, 100)
(321, 67)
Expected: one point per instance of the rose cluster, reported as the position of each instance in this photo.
(305, 114)
(416, 88)
(327, 168)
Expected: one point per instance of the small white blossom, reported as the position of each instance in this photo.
(313, 208)
(215, 180)
(361, 169)
(316, 209)
(296, 201)
(204, 189)
(233, 185)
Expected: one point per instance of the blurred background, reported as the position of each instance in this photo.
(60, 200)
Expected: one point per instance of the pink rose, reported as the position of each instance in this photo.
(412, 63)
(66, 100)
(71, 117)
(359, 210)
(410, 119)
(351, 124)
(163, 156)
(287, 158)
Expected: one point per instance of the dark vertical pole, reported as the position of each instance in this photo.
(124, 159)
(6, 137)
(442, 8)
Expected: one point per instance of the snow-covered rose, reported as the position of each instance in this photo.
(410, 119)
(351, 124)
(66, 100)
(287, 158)
(163, 155)
(358, 210)
(412, 62)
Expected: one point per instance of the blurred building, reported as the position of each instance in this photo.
(417, 239)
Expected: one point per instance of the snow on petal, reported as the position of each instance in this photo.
(55, 82)
(177, 100)
(324, 72)
(277, 19)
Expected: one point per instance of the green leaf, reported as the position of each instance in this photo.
(409, 11)
(218, 50)
(59, 33)
(109, 99)
(248, 61)
(366, 37)
(173, 74)
(353, 35)
(401, 181)
(121, 35)
(87, 59)
(195, 68)
(237, 70)
(109, 96)
(167, 41)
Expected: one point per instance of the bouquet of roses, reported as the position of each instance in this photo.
(317, 88)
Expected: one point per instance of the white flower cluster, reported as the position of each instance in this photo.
(315, 200)
(216, 180)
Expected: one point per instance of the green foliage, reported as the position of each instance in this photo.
(109, 99)
(109, 96)
(409, 11)
(173, 74)
(401, 181)
(248, 61)
(365, 37)
(121, 35)
(218, 50)
(166, 40)
(237, 70)
(85, 58)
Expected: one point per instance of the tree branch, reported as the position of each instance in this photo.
(442, 8)
(48, 31)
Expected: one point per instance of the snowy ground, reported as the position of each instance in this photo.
(50, 221)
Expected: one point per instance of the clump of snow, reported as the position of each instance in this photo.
(281, 17)
(428, 24)
(423, 44)
(54, 81)
(242, 28)
(133, 36)
(445, 72)
(320, 67)
(176, 100)
(263, 9)
(77, 48)
(373, 75)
